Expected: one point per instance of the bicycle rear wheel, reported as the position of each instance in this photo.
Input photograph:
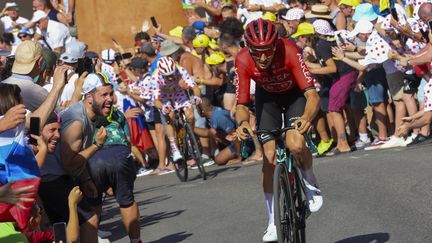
(180, 166)
(194, 149)
(284, 207)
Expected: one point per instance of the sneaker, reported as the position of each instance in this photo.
(359, 144)
(411, 138)
(144, 171)
(104, 234)
(376, 144)
(270, 234)
(314, 197)
(394, 142)
(207, 161)
(176, 156)
(166, 171)
(324, 146)
(419, 139)
(101, 240)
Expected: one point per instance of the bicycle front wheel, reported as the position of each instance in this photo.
(284, 207)
(180, 166)
(194, 149)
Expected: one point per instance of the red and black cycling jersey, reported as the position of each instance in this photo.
(288, 71)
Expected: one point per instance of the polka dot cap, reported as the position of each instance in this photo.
(323, 27)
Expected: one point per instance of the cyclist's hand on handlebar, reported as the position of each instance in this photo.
(302, 125)
(244, 130)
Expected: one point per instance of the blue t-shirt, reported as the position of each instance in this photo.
(221, 120)
(153, 66)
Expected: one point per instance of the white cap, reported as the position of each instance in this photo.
(11, 5)
(108, 55)
(74, 51)
(94, 80)
(38, 15)
(362, 27)
(323, 27)
(294, 14)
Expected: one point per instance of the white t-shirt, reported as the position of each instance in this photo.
(69, 88)
(7, 22)
(57, 34)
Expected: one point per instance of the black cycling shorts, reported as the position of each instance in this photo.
(113, 167)
(54, 195)
(271, 107)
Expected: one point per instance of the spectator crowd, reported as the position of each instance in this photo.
(105, 118)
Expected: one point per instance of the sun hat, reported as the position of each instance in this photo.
(38, 15)
(26, 55)
(168, 47)
(93, 81)
(74, 51)
(364, 11)
(294, 14)
(362, 27)
(215, 58)
(319, 11)
(201, 40)
(323, 27)
(304, 29)
(351, 3)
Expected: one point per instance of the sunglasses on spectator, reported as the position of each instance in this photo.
(22, 36)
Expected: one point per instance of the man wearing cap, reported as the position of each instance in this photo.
(292, 19)
(74, 50)
(11, 21)
(55, 35)
(26, 68)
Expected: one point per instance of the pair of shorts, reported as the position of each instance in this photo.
(411, 83)
(376, 84)
(113, 167)
(421, 88)
(358, 100)
(324, 92)
(340, 91)
(395, 82)
(54, 195)
(271, 107)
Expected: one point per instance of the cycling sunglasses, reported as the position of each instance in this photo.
(257, 53)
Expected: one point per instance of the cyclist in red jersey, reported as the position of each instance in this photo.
(283, 86)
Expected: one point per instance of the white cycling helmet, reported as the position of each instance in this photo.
(166, 66)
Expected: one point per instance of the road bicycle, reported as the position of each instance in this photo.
(189, 146)
(290, 204)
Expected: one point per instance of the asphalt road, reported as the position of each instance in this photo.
(369, 196)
